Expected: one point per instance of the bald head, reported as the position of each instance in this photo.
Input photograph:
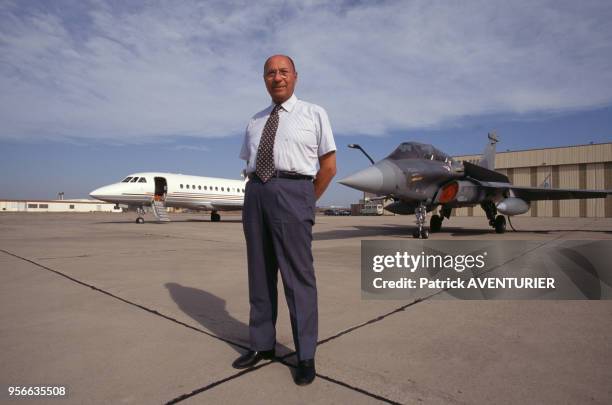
(280, 77)
(279, 56)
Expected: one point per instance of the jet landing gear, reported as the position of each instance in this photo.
(498, 222)
(421, 215)
(435, 223)
(140, 211)
(215, 217)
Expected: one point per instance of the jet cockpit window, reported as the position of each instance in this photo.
(134, 180)
(142, 180)
(126, 180)
(414, 150)
(406, 150)
(431, 153)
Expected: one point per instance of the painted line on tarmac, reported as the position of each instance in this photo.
(342, 383)
(152, 311)
(214, 384)
(280, 360)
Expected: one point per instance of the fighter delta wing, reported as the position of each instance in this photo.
(419, 178)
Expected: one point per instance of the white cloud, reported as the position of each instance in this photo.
(183, 68)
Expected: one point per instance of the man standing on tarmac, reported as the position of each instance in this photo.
(282, 146)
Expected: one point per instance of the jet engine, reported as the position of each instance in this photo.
(512, 206)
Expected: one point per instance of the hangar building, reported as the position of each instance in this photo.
(580, 167)
(56, 206)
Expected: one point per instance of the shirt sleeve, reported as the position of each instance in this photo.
(244, 151)
(326, 136)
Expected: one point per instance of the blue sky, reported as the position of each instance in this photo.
(91, 91)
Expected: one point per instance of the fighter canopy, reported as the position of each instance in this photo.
(415, 150)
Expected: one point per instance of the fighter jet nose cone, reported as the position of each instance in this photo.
(370, 179)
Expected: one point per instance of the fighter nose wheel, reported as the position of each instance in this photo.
(421, 215)
(423, 234)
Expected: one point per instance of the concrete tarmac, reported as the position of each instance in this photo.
(156, 313)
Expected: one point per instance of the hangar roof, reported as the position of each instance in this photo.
(564, 155)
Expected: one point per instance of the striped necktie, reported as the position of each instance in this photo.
(264, 163)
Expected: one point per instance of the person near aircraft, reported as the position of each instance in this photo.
(282, 146)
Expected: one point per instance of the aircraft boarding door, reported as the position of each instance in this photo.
(161, 188)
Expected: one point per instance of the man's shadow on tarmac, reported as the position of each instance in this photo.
(210, 312)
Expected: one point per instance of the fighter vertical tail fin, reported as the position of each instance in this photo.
(488, 156)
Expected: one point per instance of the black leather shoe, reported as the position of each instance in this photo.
(250, 358)
(305, 372)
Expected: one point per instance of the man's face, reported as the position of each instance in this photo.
(280, 78)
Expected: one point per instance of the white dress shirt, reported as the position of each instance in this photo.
(303, 135)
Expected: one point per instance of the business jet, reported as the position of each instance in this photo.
(160, 190)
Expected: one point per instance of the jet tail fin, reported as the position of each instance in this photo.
(488, 156)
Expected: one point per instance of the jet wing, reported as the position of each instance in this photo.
(537, 193)
(493, 180)
(540, 193)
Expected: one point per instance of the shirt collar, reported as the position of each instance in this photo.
(289, 104)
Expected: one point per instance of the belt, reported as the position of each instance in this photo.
(284, 175)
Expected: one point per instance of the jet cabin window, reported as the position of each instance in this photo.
(134, 180)
(126, 180)
(142, 180)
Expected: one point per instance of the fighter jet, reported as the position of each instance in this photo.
(420, 178)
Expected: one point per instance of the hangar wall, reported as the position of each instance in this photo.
(56, 206)
(580, 167)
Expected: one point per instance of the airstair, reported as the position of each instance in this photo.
(159, 210)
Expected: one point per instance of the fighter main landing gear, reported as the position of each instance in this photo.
(498, 222)
(435, 223)
(421, 215)
(215, 217)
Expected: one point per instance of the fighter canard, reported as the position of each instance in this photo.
(419, 178)
(161, 190)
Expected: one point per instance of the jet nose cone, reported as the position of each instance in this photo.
(369, 179)
(100, 193)
(95, 193)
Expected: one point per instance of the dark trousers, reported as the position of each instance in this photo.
(277, 218)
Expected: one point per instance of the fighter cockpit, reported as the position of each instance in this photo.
(415, 150)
